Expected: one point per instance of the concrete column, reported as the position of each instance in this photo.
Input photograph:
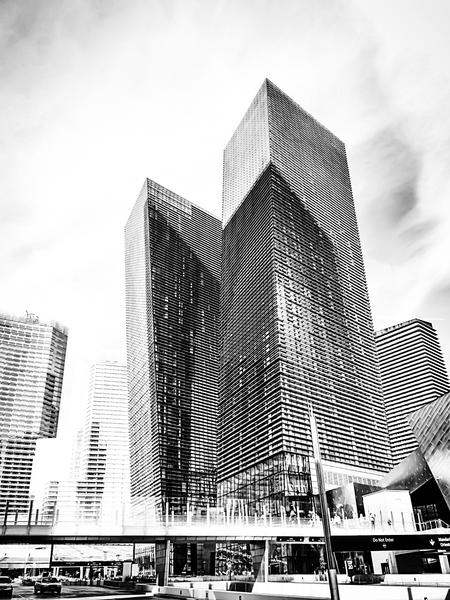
(260, 558)
(392, 561)
(443, 561)
(162, 562)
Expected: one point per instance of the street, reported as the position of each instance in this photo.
(72, 591)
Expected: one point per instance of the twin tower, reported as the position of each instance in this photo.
(233, 327)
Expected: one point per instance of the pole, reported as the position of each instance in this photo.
(30, 513)
(331, 565)
(5, 517)
(166, 563)
(50, 560)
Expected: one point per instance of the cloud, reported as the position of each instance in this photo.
(399, 158)
(98, 95)
(388, 172)
(434, 308)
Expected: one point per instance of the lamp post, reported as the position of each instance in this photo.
(331, 566)
(30, 513)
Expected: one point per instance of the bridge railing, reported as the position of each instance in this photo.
(148, 515)
(214, 520)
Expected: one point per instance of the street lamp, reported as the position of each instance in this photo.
(331, 566)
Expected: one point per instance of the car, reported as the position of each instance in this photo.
(6, 587)
(27, 581)
(50, 585)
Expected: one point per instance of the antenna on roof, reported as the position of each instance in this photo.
(32, 317)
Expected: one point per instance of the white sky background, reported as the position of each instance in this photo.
(97, 95)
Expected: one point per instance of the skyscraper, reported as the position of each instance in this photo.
(413, 373)
(32, 357)
(104, 467)
(296, 324)
(172, 263)
(97, 486)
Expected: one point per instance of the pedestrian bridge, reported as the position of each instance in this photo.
(261, 534)
(237, 529)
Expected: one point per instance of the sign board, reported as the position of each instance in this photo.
(348, 543)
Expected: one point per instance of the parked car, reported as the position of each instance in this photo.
(6, 587)
(27, 581)
(47, 585)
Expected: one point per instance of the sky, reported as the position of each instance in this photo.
(97, 95)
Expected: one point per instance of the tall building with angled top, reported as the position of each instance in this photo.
(296, 324)
(172, 263)
(413, 373)
(32, 357)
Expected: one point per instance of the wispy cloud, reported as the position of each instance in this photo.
(98, 95)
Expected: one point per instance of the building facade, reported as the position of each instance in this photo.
(104, 463)
(296, 324)
(413, 373)
(32, 357)
(172, 265)
(97, 486)
(430, 424)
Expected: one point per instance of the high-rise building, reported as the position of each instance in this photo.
(32, 357)
(104, 465)
(97, 488)
(413, 373)
(172, 303)
(296, 324)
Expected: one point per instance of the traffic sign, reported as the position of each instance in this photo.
(348, 543)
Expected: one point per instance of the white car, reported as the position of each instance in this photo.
(47, 585)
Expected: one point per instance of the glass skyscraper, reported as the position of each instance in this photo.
(172, 311)
(32, 357)
(296, 325)
(413, 373)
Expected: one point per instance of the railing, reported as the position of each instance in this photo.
(218, 524)
(433, 524)
(218, 519)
